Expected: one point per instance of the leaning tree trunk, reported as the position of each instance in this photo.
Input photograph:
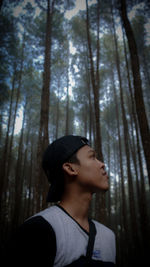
(138, 94)
(144, 220)
(134, 226)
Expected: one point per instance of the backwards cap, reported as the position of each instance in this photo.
(54, 156)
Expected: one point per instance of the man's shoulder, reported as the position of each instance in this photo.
(34, 229)
(52, 210)
(103, 229)
(32, 242)
(50, 214)
(37, 223)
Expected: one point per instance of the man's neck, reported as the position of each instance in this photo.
(78, 208)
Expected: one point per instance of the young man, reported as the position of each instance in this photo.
(63, 235)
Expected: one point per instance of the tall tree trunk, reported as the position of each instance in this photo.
(67, 102)
(146, 69)
(15, 114)
(144, 220)
(43, 138)
(138, 94)
(57, 109)
(100, 198)
(108, 162)
(6, 146)
(125, 228)
(26, 172)
(90, 112)
(9, 147)
(134, 226)
(18, 179)
(30, 207)
(85, 119)
(88, 86)
(95, 81)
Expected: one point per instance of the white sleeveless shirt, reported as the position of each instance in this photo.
(72, 239)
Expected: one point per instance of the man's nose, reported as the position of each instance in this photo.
(102, 165)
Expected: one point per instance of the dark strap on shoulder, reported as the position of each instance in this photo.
(92, 234)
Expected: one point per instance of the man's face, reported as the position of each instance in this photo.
(91, 171)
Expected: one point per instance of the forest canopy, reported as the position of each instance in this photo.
(82, 68)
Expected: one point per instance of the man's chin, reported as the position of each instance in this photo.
(101, 190)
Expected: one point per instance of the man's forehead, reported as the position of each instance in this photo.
(86, 149)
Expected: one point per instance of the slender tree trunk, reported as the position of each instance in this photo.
(134, 226)
(6, 189)
(125, 228)
(90, 113)
(14, 116)
(142, 202)
(100, 198)
(31, 179)
(95, 83)
(18, 179)
(138, 94)
(67, 103)
(57, 109)
(108, 163)
(67, 112)
(146, 69)
(6, 146)
(43, 139)
(26, 172)
(146, 74)
(88, 85)
(85, 120)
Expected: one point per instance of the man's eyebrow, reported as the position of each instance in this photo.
(92, 151)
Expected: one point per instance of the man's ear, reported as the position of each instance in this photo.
(70, 168)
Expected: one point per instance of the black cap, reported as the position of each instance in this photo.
(55, 155)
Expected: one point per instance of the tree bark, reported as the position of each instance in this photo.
(57, 109)
(18, 179)
(124, 221)
(95, 82)
(100, 198)
(133, 219)
(67, 102)
(141, 194)
(138, 94)
(43, 138)
(6, 146)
